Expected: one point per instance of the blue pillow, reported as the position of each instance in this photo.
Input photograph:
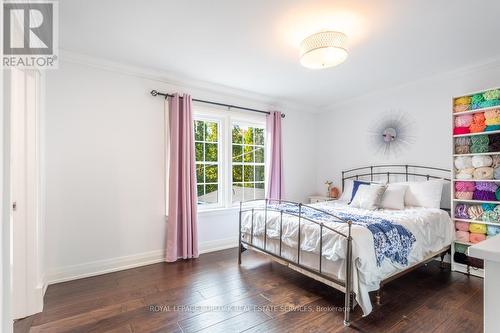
(355, 186)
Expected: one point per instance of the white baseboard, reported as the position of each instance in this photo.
(99, 267)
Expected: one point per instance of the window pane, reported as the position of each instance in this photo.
(248, 136)
(237, 192)
(237, 153)
(211, 133)
(237, 173)
(259, 155)
(211, 174)
(237, 134)
(199, 173)
(198, 130)
(259, 173)
(249, 154)
(259, 191)
(211, 194)
(259, 136)
(248, 173)
(199, 151)
(210, 152)
(200, 190)
(248, 191)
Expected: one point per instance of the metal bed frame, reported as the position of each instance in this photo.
(345, 286)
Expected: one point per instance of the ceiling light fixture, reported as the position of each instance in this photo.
(323, 49)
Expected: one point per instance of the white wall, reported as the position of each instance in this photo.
(105, 169)
(343, 136)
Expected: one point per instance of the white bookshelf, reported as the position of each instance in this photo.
(456, 266)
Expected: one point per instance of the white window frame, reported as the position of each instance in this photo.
(226, 119)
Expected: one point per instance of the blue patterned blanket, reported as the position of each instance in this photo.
(391, 240)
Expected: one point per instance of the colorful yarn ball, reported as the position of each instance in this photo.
(464, 195)
(491, 128)
(463, 162)
(488, 207)
(463, 120)
(475, 212)
(489, 103)
(462, 236)
(497, 194)
(497, 209)
(482, 161)
(480, 140)
(486, 186)
(477, 228)
(461, 130)
(465, 186)
(477, 98)
(484, 195)
(461, 211)
(462, 100)
(496, 161)
(476, 238)
(492, 230)
(492, 121)
(497, 173)
(490, 114)
(490, 216)
(483, 173)
(462, 149)
(491, 94)
(464, 141)
(465, 174)
(462, 226)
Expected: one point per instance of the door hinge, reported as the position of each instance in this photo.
(14, 206)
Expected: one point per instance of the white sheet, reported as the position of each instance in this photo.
(432, 228)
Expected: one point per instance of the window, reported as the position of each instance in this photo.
(230, 157)
(248, 167)
(206, 141)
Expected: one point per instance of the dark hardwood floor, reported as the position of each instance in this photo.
(214, 294)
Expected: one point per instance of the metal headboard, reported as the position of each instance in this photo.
(396, 172)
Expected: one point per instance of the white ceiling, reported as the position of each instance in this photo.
(252, 44)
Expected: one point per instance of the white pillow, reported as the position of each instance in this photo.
(424, 194)
(368, 196)
(347, 191)
(394, 197)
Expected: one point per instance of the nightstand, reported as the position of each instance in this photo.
(319, 198)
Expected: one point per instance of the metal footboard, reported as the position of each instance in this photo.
(272, 205)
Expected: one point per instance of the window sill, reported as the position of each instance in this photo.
(217, 211)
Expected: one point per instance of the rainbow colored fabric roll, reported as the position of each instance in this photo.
(465, 186)
(475, 212)
(463, 120)
(461, 211)
(477, 228)
(493, 230)
(484, 195)
(464, 195)
(486, 186)
(483, 173)
(491, 94)
(476, 238)
(490, 216)
(479, 161)
(462, 226)
(462, 236)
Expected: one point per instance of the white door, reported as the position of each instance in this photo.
(27, 284)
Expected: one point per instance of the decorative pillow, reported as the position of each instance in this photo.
(394, 197)
(424, 194)
(355, 186)
(368, 196)
(347, 191)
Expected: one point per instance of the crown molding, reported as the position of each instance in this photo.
(489, 64)
(184, 83)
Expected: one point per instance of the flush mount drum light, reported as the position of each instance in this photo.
(323, 49)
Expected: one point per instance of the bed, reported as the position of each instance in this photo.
(353, 250)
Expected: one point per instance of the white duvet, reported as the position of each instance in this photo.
(432, 228)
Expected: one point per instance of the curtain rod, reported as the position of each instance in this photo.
(157, 93)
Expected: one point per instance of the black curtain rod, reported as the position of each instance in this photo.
(157, 93)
